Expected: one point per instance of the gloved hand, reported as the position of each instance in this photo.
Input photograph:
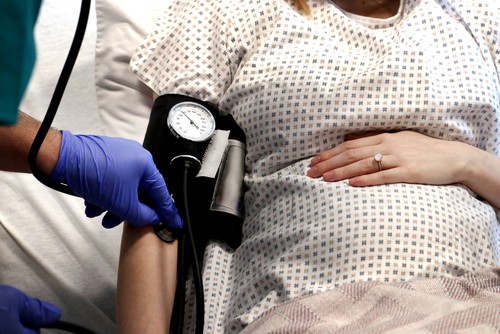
(20, 313)
(108, 173)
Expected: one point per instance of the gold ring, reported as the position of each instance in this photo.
(378, 159)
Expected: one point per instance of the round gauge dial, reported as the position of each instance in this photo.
(191, 121)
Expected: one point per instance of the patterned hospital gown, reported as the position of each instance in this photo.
(297, 85)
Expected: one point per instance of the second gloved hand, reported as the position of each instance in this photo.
(108, 174)
(20, 313)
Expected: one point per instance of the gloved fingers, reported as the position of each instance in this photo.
(35, 312)
(111, 220)
(92, 167)
(142, 215)
(170, 215)
(92, 211)
(30, 331)
(156, 191)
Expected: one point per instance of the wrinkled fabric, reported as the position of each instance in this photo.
(297, 86)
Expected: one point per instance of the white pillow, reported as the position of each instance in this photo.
(123, 101)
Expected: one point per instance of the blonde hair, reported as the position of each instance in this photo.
(302, 5)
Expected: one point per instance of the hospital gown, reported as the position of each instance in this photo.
(298, 85)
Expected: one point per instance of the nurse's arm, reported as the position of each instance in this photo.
(15, 143)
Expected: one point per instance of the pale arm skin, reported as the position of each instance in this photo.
(146, 288)
(410, 157)
(15, 143)
(146, 282)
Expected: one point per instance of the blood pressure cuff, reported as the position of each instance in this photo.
(216, 192)
(156, 139)
(17, 53)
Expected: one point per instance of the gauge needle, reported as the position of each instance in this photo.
(190, 120)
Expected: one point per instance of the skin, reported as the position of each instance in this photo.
(410, 157)
(146, 289)
(16, 140)
(376, 8)
(146, 282)
(153, 293)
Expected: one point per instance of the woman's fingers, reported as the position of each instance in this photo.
(392, 175)
(405, 156)
(346, 162)
(366, 166)
(352, 143)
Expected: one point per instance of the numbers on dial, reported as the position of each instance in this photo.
(191, 121)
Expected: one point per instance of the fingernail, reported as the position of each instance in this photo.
(329, 176)
(312, 172)
(315, 160)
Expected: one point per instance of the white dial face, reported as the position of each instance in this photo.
(191, 121)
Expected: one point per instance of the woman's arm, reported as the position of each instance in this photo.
(410, 157)
(146, 282)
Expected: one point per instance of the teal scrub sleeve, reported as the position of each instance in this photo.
(17, 54)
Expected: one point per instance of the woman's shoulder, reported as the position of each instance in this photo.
(480, 9)
(245, 16)
(230, 4)
(235, 7)
(481, 17)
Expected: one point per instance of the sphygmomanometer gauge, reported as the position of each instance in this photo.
(191, 121)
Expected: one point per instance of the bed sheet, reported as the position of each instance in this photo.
(124, 102)
(48, 247)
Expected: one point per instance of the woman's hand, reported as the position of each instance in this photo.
(407, 156)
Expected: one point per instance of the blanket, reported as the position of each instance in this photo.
(466, 304)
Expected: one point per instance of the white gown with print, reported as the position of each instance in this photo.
(298, 85)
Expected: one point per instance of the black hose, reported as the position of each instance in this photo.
(45, 127)
(56, 100)
(177, 322)
(69, 327)
(197, 278)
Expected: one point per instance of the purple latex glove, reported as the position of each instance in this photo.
(23, 314)
(108, 174)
